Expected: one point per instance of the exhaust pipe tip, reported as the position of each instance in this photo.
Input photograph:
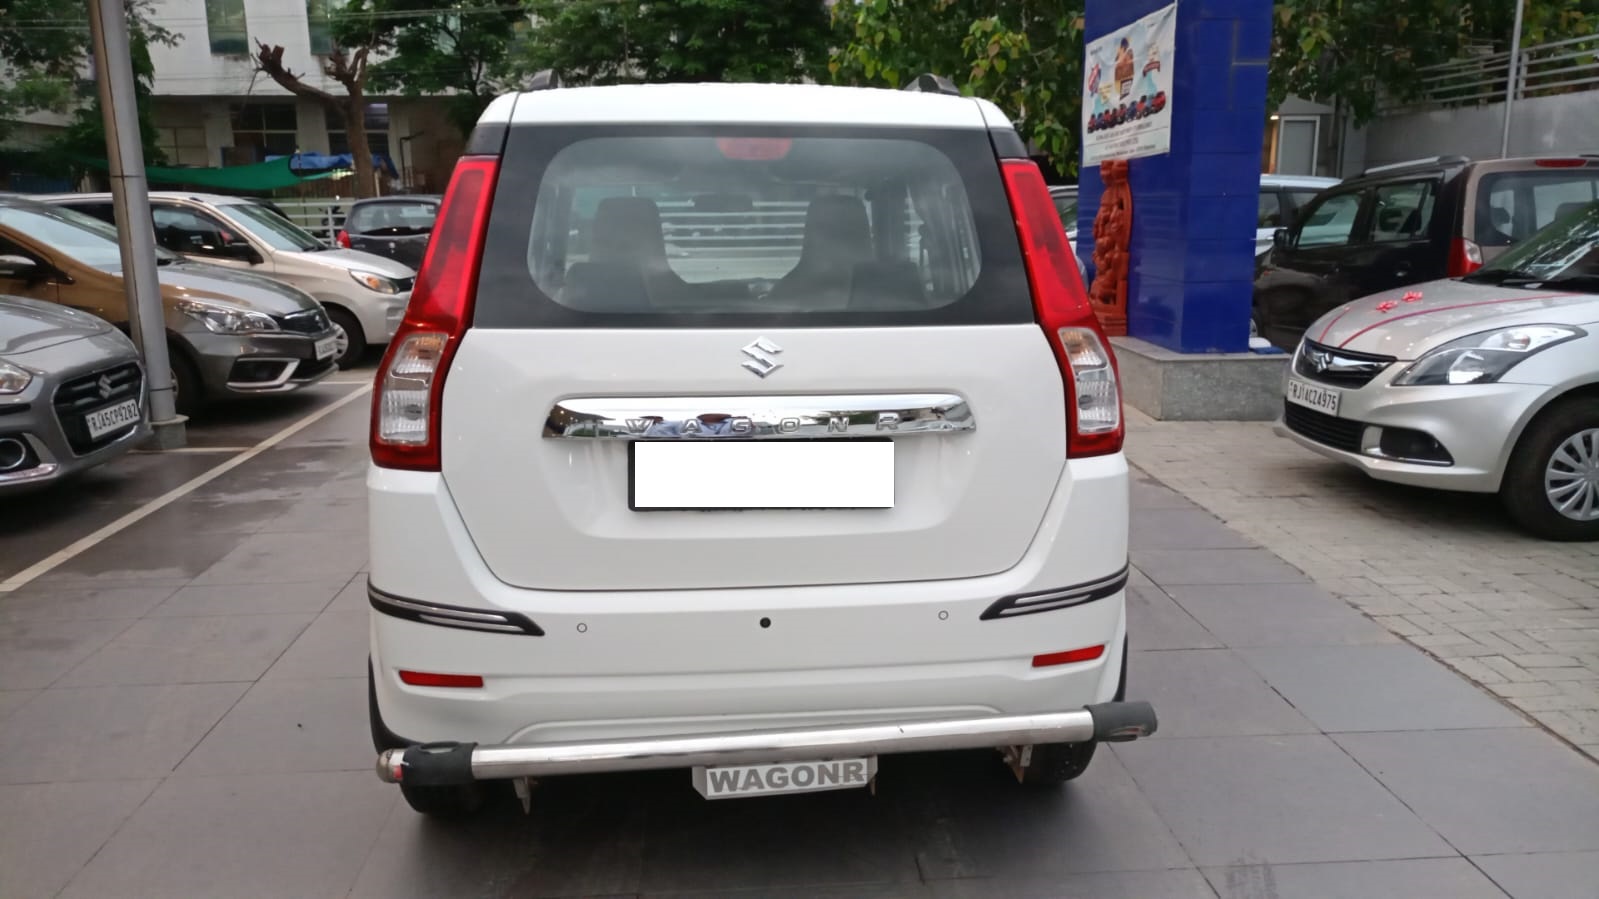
(13, 454)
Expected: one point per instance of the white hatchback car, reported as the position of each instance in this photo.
(762, 508)
(1487, 383)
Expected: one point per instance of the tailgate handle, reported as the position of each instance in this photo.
(758, 417)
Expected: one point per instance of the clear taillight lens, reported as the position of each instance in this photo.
(405, 394)
(1098, 399)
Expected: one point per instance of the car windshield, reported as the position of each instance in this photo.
(79, 237)
(1566, 251)
(273, 229)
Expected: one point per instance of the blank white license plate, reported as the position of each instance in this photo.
(326, 347)
(112, 418)
(777, 474)
(734, 781)
(1322, 399)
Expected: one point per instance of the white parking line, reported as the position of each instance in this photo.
(192, 450)
(50, 562)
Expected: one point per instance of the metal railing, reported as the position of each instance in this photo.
(323, 218)
(1560, 67)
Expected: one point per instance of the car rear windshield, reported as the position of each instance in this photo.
(1513, 206)
(676, 227)
(391, 218)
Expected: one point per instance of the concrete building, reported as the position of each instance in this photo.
(213, 108)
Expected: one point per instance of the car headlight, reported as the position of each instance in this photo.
(13, 378)
(1484, 358)
(375, 281)
(227, 319)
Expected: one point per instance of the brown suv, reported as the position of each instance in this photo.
(230, 333)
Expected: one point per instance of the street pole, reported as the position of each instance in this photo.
(113, 63)
(1515, 76)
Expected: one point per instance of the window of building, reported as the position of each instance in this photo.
(377, 130)
(265, 129)
(183, 146)
(224, 22)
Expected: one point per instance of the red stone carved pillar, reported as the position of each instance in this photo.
(1113, 230)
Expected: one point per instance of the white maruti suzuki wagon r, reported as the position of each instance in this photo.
(753, 430)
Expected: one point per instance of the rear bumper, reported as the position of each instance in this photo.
(647, 665)
(456, 763)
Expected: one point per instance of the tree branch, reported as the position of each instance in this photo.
(269, 59)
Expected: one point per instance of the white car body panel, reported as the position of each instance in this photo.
(966, 503)
(753, 104)
(1407, 322)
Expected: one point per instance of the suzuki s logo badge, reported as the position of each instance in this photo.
(106, 387)
(1319, 360)
(761, 354)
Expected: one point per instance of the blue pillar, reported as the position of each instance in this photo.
(1192, 247)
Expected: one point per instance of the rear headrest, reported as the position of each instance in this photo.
(628, 228)
(1565, 209)
(836, 227)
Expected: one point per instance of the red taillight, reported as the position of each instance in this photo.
(343, 238)
(430, 679)
(410, 382)
(1087, 365)
(1086, 654)
(1465, 257)
(1560, 163)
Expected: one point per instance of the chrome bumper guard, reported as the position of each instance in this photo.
(438, 764)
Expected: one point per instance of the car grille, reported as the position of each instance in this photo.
(311, 321)
(80, 396)
(404, 284)
(1330, 365)
(1329, 430)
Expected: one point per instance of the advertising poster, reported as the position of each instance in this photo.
(1127, 90)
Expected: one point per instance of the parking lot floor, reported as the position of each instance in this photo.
(182, 713)
(1446, 572)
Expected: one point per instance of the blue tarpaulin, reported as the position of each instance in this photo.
(321, 162)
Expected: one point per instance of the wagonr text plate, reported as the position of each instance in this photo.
(808, 474)
(758, 417)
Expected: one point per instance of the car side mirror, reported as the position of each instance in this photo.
(242, 251)
(1282, 239)
(20, 268)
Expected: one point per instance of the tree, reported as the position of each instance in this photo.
(349, 70)
(1024, 55)
(44, 49)
(1357, 52)
(623, 41)
(464, 54)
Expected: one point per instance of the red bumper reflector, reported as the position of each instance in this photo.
(427, 679)
(1086, 654)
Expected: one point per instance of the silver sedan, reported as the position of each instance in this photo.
(72, 393)
(1487, 383)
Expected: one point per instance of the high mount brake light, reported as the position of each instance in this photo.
(762, 149)
(410, 382)
(1088, 367)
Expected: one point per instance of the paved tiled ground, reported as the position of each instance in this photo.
(1446, 572)
(182, 714)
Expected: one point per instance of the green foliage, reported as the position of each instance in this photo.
(631, 41)
(465, 53)
(1358, 50)
(1024, 55)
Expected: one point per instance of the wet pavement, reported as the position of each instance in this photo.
(183, 713)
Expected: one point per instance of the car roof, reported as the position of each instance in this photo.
(212, 199)
(786, 104)
(398, 198)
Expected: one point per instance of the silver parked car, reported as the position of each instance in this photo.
(364, 294)
(1487, 383)
(71, 393)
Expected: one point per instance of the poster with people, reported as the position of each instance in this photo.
(1127, 78)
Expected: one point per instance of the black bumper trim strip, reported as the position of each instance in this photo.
(1059, 598)
(459, 617)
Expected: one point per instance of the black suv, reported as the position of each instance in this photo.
(1406, 224)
